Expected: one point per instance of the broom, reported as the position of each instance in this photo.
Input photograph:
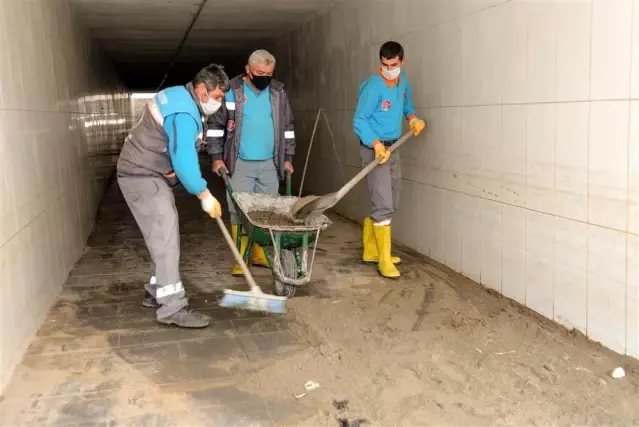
(254, 299)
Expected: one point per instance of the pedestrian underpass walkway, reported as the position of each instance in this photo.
(430, 348)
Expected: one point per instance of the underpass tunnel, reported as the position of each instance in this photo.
(525, 182)
(70, 72)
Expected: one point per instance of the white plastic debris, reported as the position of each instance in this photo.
(311, 385)
(618, 373)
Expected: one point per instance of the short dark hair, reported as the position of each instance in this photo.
(390, 50)
(212, 76)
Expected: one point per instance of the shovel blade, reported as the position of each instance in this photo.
(312, 206)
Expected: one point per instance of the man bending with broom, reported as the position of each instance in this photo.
(160, 152)
(384, 99)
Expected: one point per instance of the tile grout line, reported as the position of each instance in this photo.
(634, 23)
(525, 208)
(554, 167)
(463, 198)
(527, 176)
(122, 273)
(106, 350)
(96, 394)
(588, 175)
(510, 104)
(34, 219)
(629, 180)
(501, 206)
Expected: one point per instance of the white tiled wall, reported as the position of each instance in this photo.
(527, 179)
(62, 114)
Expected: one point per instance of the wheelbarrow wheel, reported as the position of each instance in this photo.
(289, 268)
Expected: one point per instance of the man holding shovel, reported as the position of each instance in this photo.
(384, 99)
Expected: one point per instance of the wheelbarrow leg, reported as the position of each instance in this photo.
(238, 235)
(268, 257)
(247, 251)
(285, 265)
(301, 266)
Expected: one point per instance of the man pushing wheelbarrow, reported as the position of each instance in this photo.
(252, 139)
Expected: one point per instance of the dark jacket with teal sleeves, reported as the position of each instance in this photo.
(223, 128)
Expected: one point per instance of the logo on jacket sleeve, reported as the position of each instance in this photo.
(230, 125)
(386, 105)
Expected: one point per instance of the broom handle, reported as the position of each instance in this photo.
(237, 256)
(372, 165)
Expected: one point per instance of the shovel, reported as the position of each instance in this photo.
(314, 206)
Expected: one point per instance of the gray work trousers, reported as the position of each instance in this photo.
(384, 184)
(152, 203)
(253, 177)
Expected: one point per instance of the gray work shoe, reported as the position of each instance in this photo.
(185, 318)
(149, 301)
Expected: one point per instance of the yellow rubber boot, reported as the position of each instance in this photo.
(258, 257)
(370, 253)
(237, 270)
(385, 265)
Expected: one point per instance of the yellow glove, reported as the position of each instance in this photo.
(210, 205)
(416, 125)
(381, 153)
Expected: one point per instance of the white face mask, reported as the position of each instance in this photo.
(210, 107)
(391, 74)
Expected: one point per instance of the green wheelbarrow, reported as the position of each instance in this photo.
(287, 246)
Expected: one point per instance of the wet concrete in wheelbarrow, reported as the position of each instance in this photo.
(431, 348)
(272, 219)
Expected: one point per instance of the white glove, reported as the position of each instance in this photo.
(210, 205)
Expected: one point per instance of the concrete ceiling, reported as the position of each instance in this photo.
(149, 34)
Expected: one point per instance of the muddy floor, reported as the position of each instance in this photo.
(429, 349)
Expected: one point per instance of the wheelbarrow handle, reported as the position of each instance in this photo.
(289, 183)
(227, 181)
